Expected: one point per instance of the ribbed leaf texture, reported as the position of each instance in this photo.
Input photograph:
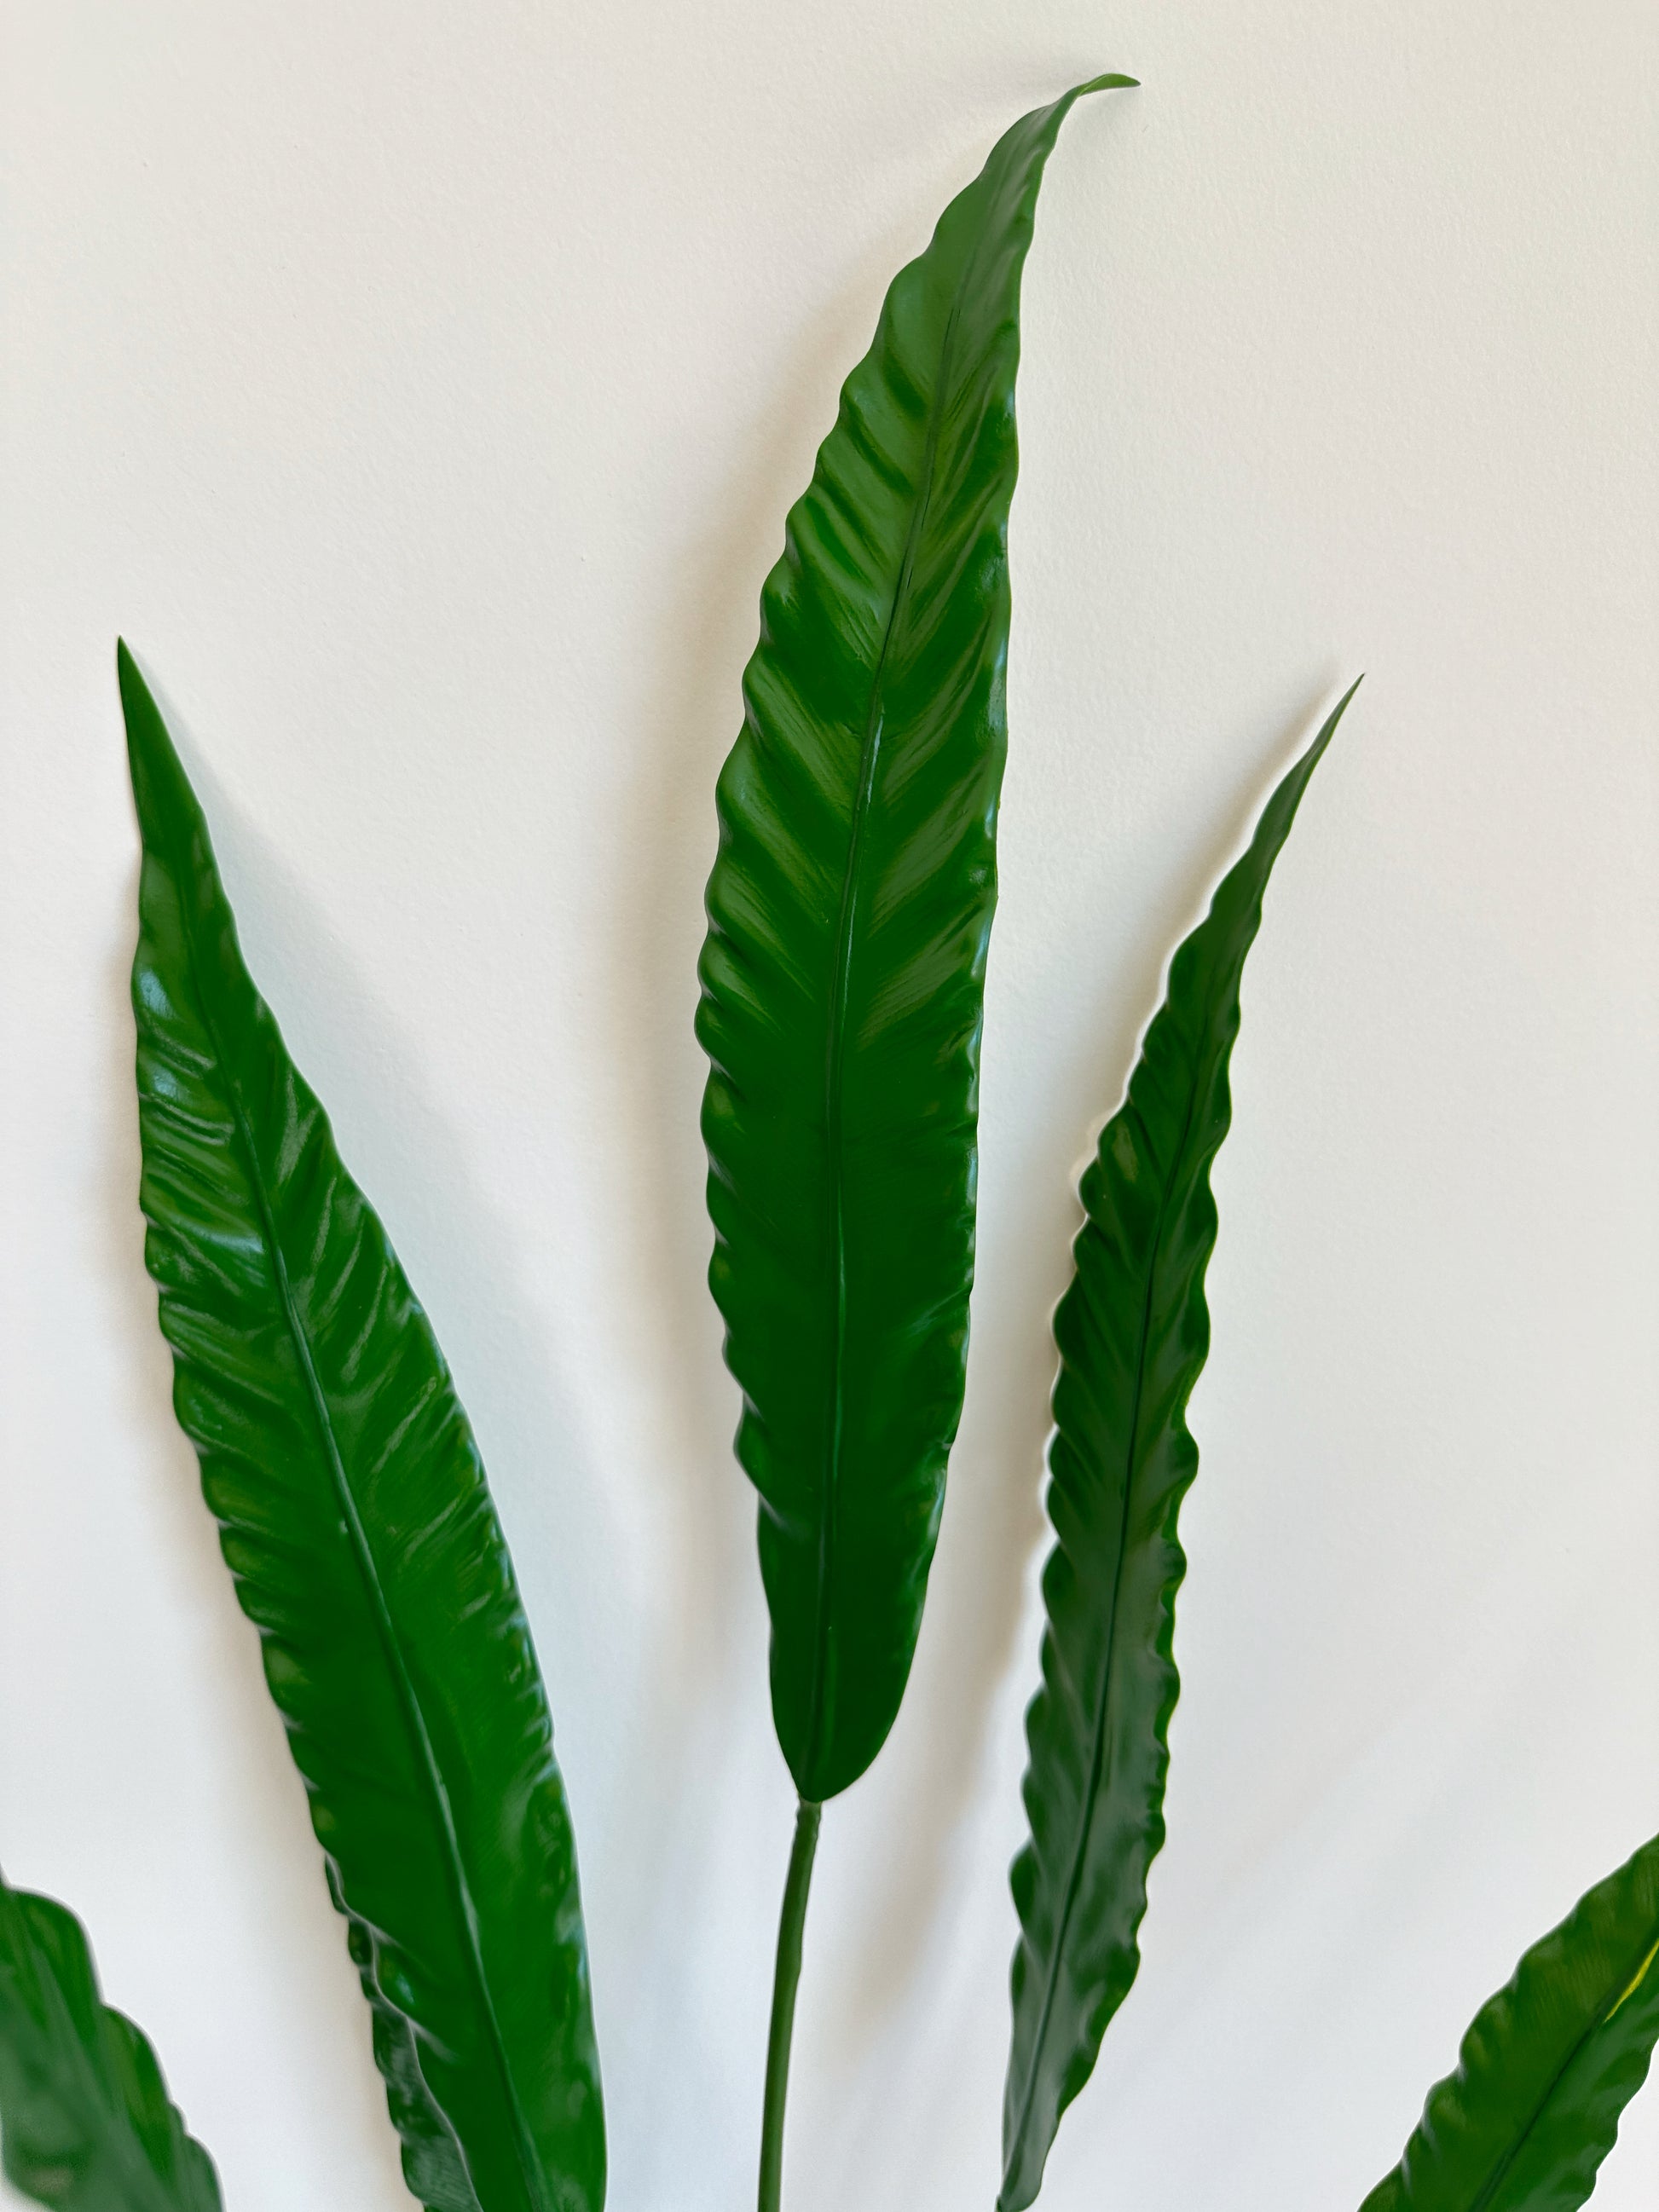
(1547, 2066)
(85, 2124)
(355, 1516)
(849, 912)
(1133, 1331)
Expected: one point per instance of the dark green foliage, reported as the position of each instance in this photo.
(849, 913)
(1133, 1331)
(85, 2124)
(850, 917)
(355, 1519)
(1547, 2066)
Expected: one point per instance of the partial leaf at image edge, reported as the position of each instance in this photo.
(1133, 1331)
(849, 912)
(357, 1524)
(1548, 2065)
(86, 2125)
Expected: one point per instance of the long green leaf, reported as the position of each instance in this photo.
(849, 912)
(85, 2124)
(1133, 1331)
(1547, 2066)
(355, 1516)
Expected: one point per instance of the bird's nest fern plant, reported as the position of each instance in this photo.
(849, 916)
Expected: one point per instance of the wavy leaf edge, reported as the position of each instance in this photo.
(861, 799)
(394, 1641)
(1097, 1729)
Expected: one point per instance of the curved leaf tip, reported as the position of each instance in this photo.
(850, 918)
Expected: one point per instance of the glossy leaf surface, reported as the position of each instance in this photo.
(1133, 1331)
(1547, 2066)
(849, 912)
(85, 2121)
(355, 1516)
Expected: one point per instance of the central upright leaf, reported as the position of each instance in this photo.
(849, 912)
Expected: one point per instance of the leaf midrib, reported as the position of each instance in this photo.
(415, 1720)
(1133, 1461)
(834, 1054)
(1500, 2173)
(1225, 970)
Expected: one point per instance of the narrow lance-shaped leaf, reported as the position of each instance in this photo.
(355, 1516)
(1133, 1331)
(85, 2122)
(849, 912)
(1547, 2066)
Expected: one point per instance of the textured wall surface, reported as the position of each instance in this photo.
(421, 388)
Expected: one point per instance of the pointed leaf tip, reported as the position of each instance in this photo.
(129, 682)
(358, 1525)
(166, 805)
(135, 692)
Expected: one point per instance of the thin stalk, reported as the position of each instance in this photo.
(785, 1979)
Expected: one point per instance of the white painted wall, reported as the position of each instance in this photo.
(420, 388)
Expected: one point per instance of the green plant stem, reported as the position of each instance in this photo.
(785, 1979)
